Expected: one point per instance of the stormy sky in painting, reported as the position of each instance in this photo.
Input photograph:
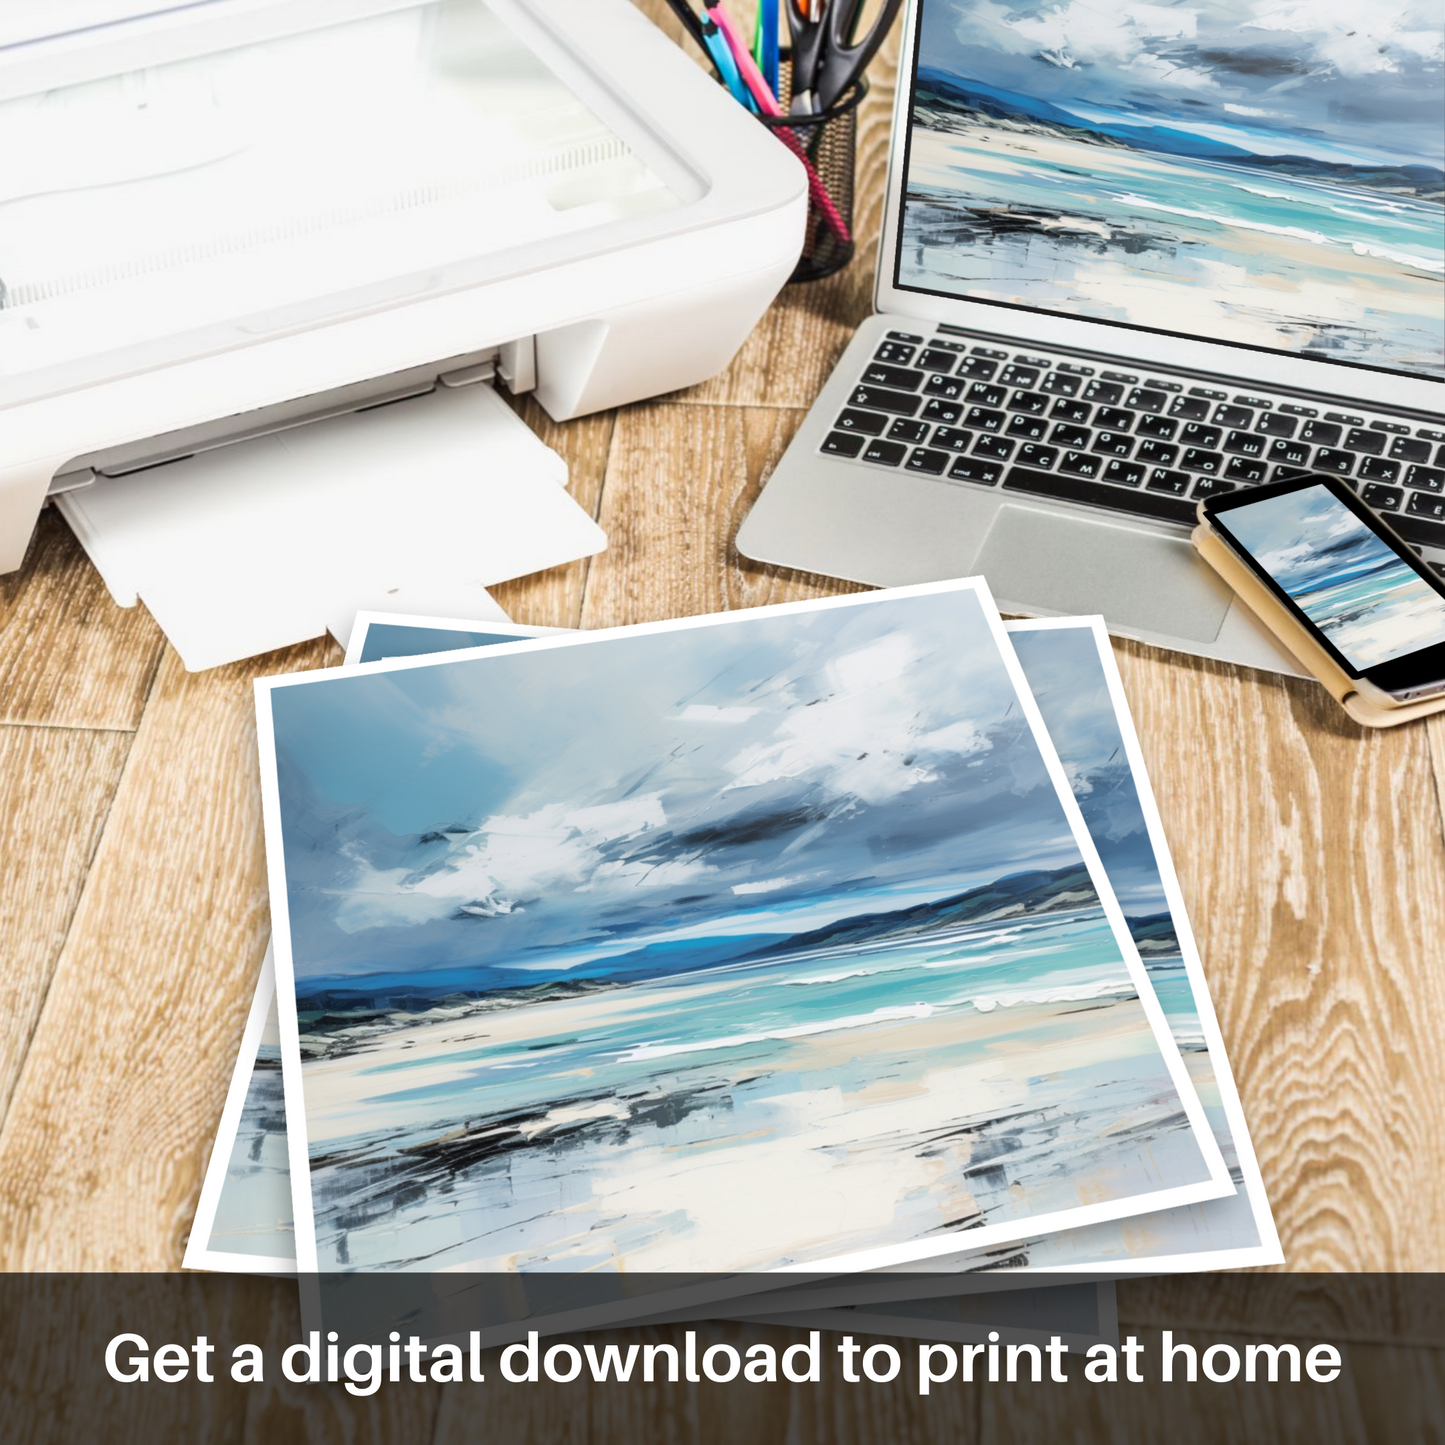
(1330, 79)
(764, 776)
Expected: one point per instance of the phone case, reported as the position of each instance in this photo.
(1298, 639)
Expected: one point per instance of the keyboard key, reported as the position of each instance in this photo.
(843, 444)
(990, 351)
(1124, 474)
(1195, 435)
(1156, 426)
(1189, 408)
(995, 447)
(955, 439)
(957, 347)
(1245, 444)
(895, 353)
(905, 336)
(1070, 436)
(1331, 459)
(1382, 499)
(1040, 362)
(1127, 377)
(1406, 449)
(948, 387)
(877, 398)
(1212, 486)
(923, 459)
(1243, 469)
(1032, 428)
(981, 394)
(1235, 416)
(1081, 464)
(1100, 494)
(971, 469)
(1427, 479)
(1294, 410)
(1429, 435)
(1255, 401)
(1058, 383)
(1199, 460)
(1157, 454)
(977, 369)
(1344, 418)
(1078, 411)
(1289, 474)
(1144, 399)
(1321, 433)
(867, 422)
(1390, 426)
(1377, 469)
(1422, 504)
(983, 419)
(1440, 457)
(936, 410)
(1035, 403)
(1107, 392)
(1162, 385)
(1274, 425)
(935, 360)
(1112, 444)
(1161, 479)
(886, 454)
(1292, 454)
(1033, 456)
(1419, 530)
(904, 430)
(1372, 443)
(1113, 418)
(877, 374)
(1077, 370)
(1016, 375)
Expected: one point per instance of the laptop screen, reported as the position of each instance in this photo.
(1260, 172)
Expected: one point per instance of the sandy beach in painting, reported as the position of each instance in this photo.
(1261, 259)
(921, 1100)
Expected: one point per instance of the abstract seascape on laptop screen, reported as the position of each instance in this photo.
(1261, 172)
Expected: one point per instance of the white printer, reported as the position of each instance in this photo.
(226, 223)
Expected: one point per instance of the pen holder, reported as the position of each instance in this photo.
(827, 142)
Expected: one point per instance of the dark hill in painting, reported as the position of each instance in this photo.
(1017, 896)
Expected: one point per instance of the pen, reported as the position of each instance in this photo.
(767, 103)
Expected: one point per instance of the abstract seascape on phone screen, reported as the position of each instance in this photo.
(733, 946)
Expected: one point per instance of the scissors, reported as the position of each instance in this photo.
(827, 54)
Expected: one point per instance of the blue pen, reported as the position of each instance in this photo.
(768, 24)
(727, 67)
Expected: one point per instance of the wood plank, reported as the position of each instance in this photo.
(706, 1413)
(69, 657)
(554, 598)
(1344, 1412)
(679, 482)
(1311, 858)
(104, 1145)
(56, 786)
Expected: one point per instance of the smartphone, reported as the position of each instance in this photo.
(1331, 562)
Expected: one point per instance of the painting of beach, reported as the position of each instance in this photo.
(1370, 603)
(1243, 171)
(759, 943)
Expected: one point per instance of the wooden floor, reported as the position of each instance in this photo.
(133, 910)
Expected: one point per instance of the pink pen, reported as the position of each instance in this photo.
(768, 104)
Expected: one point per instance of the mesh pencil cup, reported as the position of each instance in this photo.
(826, 143)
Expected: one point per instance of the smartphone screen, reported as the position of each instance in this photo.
(1363, 593)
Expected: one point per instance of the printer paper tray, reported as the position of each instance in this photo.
(417, 506)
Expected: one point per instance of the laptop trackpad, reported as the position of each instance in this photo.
(1071, 565)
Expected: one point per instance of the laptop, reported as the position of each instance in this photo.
(1133, 256)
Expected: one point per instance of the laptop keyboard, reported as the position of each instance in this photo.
(1143, 444)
